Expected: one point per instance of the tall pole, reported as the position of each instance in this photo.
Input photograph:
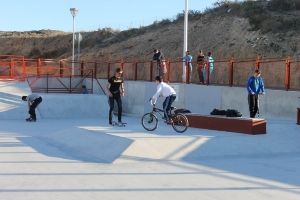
(73, 45)
(73, 12)
(78, 38)
(185, 39)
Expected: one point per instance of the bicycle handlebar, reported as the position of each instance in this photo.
(152, 101)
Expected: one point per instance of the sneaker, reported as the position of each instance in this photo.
(170, 121)
(110, 122)
(31, 120)
(120, 122)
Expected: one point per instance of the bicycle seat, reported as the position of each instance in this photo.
(173, 108)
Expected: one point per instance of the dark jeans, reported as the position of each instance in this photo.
(117, 97)
(253, 104)
(167, 104)
(33, 106)
(200, 73)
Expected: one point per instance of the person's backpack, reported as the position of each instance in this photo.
(233, 113)
(218, 112)
(182, 110)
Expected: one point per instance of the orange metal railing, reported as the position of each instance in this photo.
(280, 73)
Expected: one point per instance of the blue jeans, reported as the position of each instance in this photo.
(167, 105)
(204, 73)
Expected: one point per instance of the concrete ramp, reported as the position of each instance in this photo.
(73, 106)
(88, 146)
(11, 104)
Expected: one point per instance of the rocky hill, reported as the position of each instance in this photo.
(226, 30)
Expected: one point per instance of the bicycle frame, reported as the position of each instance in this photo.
(157, 110)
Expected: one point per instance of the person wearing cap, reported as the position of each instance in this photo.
(33, 101)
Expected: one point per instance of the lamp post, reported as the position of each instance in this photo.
(73, 12)
(185, 39)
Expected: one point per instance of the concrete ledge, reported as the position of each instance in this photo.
(298, 116)
(229, 124)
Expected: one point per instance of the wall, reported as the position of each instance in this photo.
(203, 99)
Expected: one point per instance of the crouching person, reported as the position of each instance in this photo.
(33, 101)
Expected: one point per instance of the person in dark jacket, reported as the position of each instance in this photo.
(161, 63)
(255, 85)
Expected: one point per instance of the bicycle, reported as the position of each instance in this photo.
(150, 121)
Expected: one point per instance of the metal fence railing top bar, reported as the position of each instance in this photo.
(277, 72)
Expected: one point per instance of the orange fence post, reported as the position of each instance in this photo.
(257, 63)
(12, 66)
(81, 68)
(95, 70)
(121, 64)
(287, 73)
(206, 74)
(231, 72)
(135, 70)
(151, 70)
(61, 66)
(38, 72)
(24, 69)
(168, 65)
(108, 69)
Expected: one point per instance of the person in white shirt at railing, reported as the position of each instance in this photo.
(164, 90)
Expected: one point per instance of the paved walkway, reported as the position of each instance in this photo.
(87, 159)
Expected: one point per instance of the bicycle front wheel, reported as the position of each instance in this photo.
(180, 123)
(149, 121)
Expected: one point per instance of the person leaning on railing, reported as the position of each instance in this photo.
(200, 66)
(161, 63)
(211, 65)
(188, 59)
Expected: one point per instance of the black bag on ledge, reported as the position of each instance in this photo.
(182, 110)
(233, 113)
(218, 112)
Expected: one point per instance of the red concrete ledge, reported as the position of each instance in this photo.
(298, 116)
(253, 126)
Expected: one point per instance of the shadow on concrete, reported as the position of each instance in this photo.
(80, 144)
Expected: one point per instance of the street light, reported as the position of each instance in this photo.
(185, 39)
(73, 12)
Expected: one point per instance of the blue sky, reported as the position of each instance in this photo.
(26, 15)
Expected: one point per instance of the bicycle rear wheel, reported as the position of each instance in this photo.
(149, 121)
(180, 123)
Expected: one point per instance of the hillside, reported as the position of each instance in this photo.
(222, 30)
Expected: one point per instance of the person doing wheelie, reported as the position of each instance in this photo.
(164, 90)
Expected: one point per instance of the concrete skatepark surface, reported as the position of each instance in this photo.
(88, 159)
(72, 153)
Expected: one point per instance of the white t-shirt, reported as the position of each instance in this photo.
(32, 97)
(165, 89)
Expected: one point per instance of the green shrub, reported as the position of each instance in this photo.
(283, 5)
